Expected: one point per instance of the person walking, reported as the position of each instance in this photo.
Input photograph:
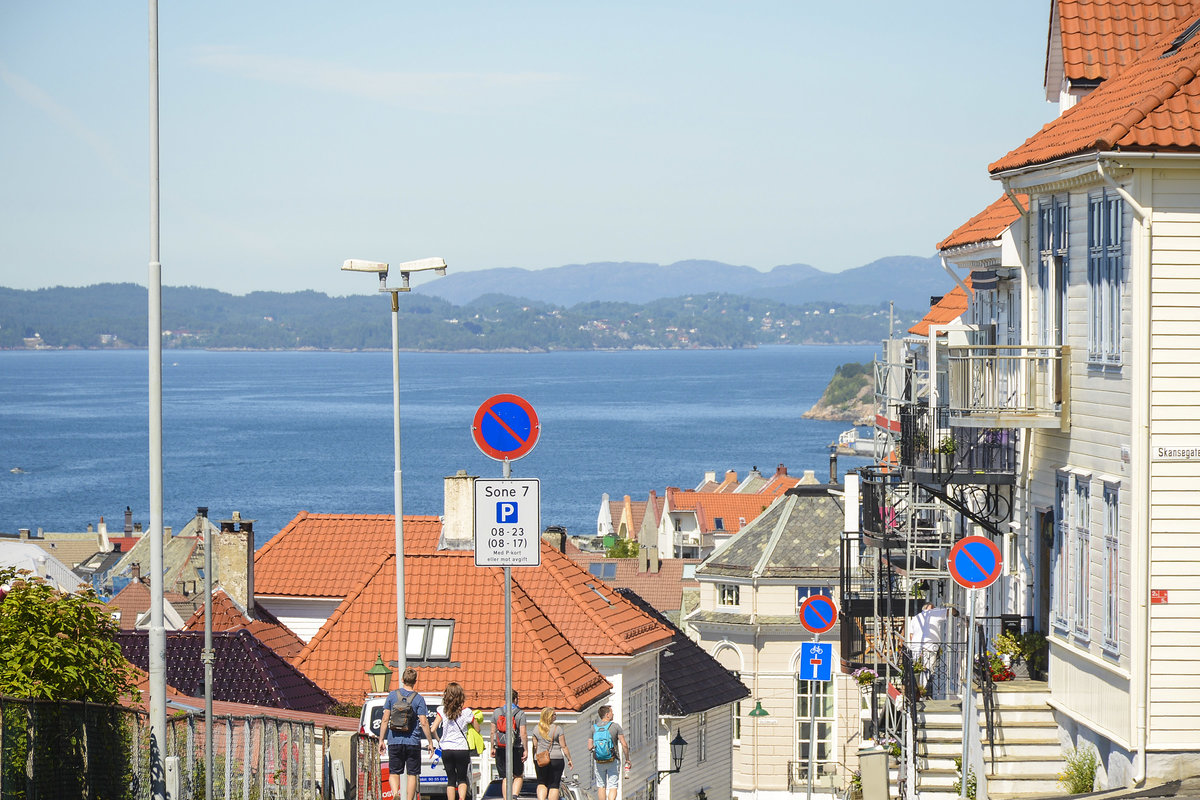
(506, 718)
(400, 734)
(606, 746)
(450, 725)
(549, 748)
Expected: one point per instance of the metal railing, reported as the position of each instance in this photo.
(51, 749)
(1017, 381)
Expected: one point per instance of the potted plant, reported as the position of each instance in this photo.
(1035, 652)
(945, 452)
(865, 677)
(1000, 672)
(1008, 647)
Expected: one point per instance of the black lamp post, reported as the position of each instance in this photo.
(678, 745)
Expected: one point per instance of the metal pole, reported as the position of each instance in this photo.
(158, 637)
(401, 662)
(512, 716)
(812, 730)
(202, 518)
(968, 695)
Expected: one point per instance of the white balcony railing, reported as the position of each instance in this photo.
(1009, 386)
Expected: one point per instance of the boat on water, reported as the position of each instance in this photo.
(853, 443)
(17, 471)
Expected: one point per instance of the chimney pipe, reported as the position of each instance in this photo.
(833, 467)
(128, 519)
(135, 571)
(781, 471)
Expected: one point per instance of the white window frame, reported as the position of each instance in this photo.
(805, 592)
(1105, 267)
(429, 639)
(636, 721)
(1082, 556)
(727, 592)
(702, 737)
(1054, 214)
(1062, 536)
(1112, 567)
(737, 715)
(825, 719)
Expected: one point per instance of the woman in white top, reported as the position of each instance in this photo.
(450, 726)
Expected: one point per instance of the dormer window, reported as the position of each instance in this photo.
(719, 523)
(428, 639)
(728, 594)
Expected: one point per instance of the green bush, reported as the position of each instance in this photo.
(971, 781)
(1079, 775)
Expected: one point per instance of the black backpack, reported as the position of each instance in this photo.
(402, 719)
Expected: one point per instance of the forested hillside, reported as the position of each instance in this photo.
(114, 316)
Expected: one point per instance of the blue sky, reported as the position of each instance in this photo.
(297, 134)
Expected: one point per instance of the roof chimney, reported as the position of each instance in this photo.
(833, 467)
(135, 571)
(128, 520)
(458, 515)
(810, 478)
(781, 471)
(731, 475)
(710, 476)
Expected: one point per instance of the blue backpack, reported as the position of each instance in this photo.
(602, 743)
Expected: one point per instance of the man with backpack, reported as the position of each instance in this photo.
(507, 718)
(405, 716)
(606, 745)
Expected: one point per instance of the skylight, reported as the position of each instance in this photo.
(1182, 38)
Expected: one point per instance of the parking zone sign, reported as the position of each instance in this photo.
(508, 522)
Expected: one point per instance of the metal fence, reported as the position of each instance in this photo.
(51, 750)
(254, 758)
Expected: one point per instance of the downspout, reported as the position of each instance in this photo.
(1141, 302)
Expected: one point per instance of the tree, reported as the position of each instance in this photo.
(623, 548)
(59, 646)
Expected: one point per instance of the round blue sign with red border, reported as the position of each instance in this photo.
(975, 562)
(818, 614)
(505, 427)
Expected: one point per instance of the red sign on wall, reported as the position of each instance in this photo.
(1158, 596)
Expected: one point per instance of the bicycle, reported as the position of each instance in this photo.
(574, 789)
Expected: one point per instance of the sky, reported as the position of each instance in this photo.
(294, 135)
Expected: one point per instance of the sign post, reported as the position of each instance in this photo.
(507, 517)
(818, 615)
(975, 563)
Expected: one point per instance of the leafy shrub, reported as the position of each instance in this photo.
(971, 780)
(1079, 775)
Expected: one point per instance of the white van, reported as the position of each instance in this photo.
(433, 777)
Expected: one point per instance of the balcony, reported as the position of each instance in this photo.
(961, 454)
(1009, 386)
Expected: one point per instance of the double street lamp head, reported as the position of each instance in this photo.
(381, 268)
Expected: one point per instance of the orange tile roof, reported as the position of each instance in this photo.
(777, 485)
(663, 590)
(229, 616)
(986, 226)
(329, 559)
(561, 613)
(1154, 104)
(134, 600)
(731, 509)
(949, 308)
(1101, 37)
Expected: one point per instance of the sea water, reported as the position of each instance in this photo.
(270, 434)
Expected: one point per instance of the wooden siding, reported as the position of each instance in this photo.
(1174, 416)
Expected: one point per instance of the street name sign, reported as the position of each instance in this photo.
(508, 522)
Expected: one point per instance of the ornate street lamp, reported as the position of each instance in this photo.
(380, 676)
(678, 745)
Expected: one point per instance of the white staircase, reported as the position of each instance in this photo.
(1027, 754)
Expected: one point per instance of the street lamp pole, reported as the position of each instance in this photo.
(438, 265)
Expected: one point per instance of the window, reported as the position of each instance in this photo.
(1082, 561)
(1062, 501)
(1112, 567)
(689, 572)
(719, 524)
(818, 697)
(1053, 216)
(638, 711)
(1104, 278)
(602, 570)
(737, 715)
(727, 594)
(428, 639)
(805, 592)
(702, 738)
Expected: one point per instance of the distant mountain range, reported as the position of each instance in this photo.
(908, 280)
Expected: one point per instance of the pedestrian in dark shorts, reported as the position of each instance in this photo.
(453, 719)
(549, 745)
(511, 718)
(404, 751)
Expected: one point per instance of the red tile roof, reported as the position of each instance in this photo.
(663, 589)
(229, 616)
(134, 600)
(949, 308)
(986, 226)
(329, 559)
(1154, 104)
(731, 509)
(1101, 37)
(561, 614)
